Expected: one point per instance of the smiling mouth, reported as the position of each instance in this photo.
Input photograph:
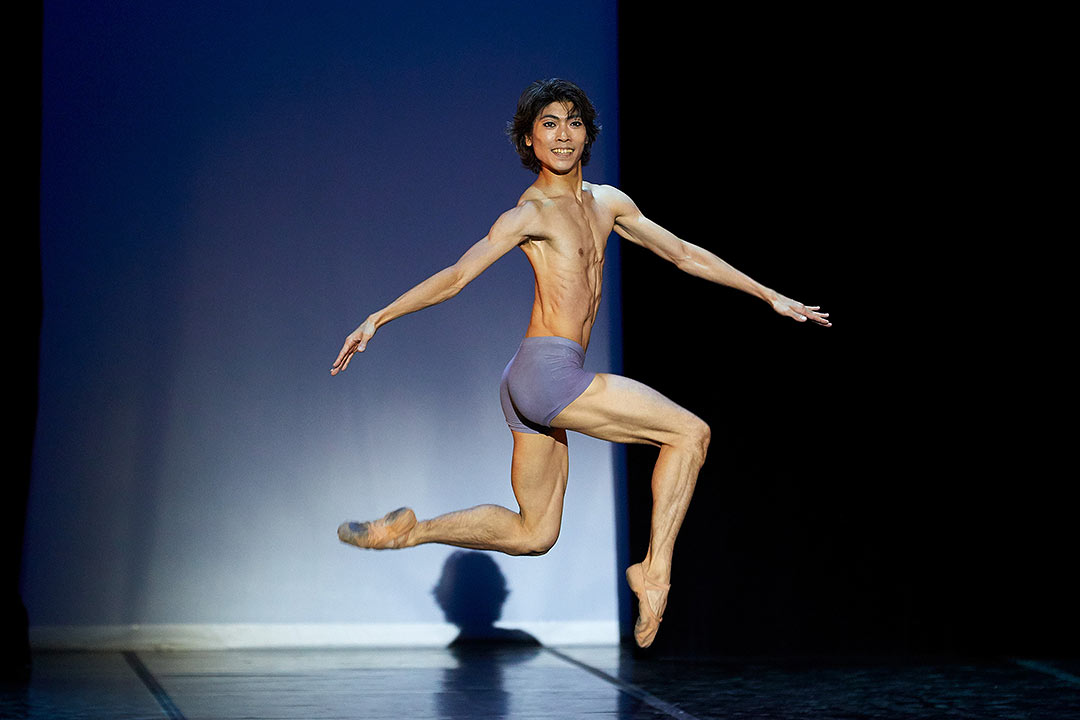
(563, 151)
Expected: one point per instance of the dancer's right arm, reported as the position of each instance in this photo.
(509, 231)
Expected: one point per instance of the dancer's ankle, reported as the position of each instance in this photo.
(655, 570)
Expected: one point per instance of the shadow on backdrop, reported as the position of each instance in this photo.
(471, 592)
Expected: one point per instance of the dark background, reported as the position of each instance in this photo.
(23, 301)
(880, 486)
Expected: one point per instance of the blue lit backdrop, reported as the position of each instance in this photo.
(227, 190)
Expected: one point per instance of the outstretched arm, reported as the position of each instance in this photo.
(631, 224)
(505, 234)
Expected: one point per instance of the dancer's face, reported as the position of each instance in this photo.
(558, 137)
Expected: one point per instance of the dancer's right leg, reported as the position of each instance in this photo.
(538, 475)
(625, 411)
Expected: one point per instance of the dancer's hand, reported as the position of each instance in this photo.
(356, 342)
(798, 311)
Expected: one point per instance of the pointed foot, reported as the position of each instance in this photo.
(650, 612)
(387, 532)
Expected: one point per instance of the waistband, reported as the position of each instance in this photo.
(553, 340)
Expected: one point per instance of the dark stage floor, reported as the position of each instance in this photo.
(531, 682)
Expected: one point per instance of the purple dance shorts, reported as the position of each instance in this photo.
(544, 377)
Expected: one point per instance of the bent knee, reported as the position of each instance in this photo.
(704, 436)
(695, 437)
(537, 542)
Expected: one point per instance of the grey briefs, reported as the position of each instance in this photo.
(543, 378)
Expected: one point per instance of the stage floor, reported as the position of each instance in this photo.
(531, 682)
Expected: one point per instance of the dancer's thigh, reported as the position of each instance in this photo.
(538, 473)
(619, 409)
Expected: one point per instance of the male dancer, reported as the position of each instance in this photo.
(562, 224)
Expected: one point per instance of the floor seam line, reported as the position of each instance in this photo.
(1047, 669)
(152, 684)
(628, 688)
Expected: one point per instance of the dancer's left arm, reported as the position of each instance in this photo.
(632, 224)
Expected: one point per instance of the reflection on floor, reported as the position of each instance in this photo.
(498, 680)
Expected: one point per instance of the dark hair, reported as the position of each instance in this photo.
(533, 100)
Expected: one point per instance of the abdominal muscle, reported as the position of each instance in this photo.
(566, 300)
(568, 265)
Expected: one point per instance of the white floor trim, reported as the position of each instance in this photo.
(237, 636)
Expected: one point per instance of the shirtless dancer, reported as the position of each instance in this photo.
(562, 224)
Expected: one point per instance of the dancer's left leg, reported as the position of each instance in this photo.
(538, 474)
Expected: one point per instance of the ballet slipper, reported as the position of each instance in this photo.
(648, 621)
(381, 534)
